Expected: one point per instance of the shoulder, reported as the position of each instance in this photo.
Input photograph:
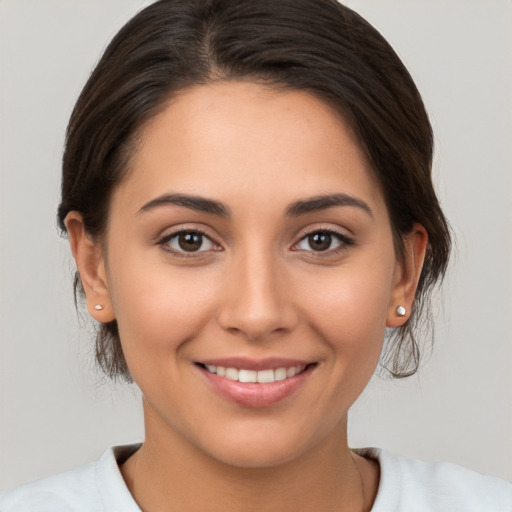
(97, 486)
(413, 485)
(60, 493)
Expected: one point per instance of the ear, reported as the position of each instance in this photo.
(406, 275)
(90, 263)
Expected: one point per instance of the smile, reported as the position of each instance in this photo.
(256, 384)
(260, 376)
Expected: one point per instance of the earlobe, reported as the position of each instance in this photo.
(407, 274)
(88, 255)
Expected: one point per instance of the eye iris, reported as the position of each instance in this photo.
(320, 241)
(190, 241)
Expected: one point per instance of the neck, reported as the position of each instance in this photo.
(168, 473)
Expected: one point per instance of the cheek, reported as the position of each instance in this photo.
(358, 312)
(158, 307)
(350, 310)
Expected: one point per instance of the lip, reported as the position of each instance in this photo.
(255, 364)
(255, 395)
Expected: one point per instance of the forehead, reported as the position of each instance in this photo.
(230, 140)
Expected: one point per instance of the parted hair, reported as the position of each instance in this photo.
(319, 46)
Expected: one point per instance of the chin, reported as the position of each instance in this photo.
(263, 446)
(246, 456)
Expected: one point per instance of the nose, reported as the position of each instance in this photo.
(257, 302)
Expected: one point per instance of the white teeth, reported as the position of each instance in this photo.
(231, 373)
(280, 374)
(265, 376)
(290, 372)
(261, 376)
(247, 376)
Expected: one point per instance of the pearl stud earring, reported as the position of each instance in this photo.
(401, 311)
(98, 307)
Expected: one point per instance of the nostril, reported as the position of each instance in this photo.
(257, 320)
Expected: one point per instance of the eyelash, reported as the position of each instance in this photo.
(164, 243)
(344, 242)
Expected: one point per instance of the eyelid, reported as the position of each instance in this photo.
(345, 240)
(164, 239)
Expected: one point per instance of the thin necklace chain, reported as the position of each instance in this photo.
(361, 480)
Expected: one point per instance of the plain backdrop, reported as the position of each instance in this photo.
(57, 412)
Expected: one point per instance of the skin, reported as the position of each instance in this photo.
(256, 288)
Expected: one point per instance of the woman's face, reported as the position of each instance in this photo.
(249, 241)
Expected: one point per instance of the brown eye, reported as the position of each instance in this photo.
(188, 241)
(323, 241)
(320, 241)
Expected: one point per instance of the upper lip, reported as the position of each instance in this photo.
(272, 363)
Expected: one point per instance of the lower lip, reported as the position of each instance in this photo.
(256, 395)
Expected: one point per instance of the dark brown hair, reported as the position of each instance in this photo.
(315, 45)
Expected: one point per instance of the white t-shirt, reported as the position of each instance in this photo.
(406, 485)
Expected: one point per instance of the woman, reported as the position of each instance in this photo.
(247, 194)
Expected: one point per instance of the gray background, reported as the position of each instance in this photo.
(56, 411)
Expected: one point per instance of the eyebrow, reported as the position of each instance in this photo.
(296, 209)
(200, 204)
(317, 203)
